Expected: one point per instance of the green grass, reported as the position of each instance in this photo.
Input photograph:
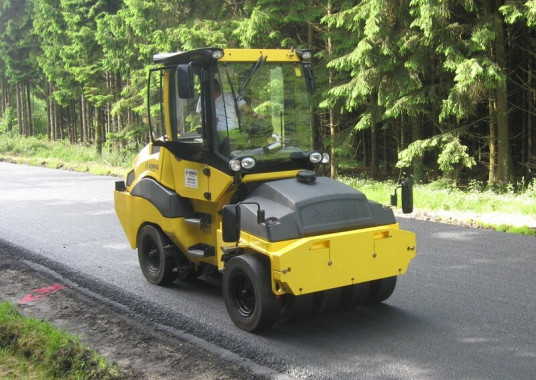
(39, 151)
(30, 348)
(439, 197)
(14, 367)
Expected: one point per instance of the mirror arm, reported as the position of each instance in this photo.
(260, 213)
(394, 197)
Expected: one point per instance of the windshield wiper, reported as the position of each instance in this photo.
(256, 67)
(235, 101)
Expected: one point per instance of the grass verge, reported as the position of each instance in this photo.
(509, 211)
(61, 154)
(32, 349)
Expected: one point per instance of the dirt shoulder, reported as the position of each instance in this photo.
(144, 352)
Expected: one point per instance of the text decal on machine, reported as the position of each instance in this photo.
(190, 178)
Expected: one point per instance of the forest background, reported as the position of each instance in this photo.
(428, 88)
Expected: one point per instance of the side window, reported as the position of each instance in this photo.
(155, 104)
(188, 111)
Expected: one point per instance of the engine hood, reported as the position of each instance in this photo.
(296, 209)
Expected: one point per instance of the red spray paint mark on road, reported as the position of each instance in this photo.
(49, 290)
(41, 293)
(30, 298)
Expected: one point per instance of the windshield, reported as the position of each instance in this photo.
(262, 111)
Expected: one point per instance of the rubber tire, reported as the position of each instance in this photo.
(328, 300)
(247, 292)
(354, 295)
(381, 289)
(156, 265)
(294, 307)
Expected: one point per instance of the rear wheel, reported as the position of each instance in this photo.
(354, 295)
(327, 301)
(381, 289)
(247, 292)
(157, 264)
(296, 307)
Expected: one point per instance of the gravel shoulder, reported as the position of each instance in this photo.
(144, 352)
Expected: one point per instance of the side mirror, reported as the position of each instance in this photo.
(407, 196)
(230, 219)
(309, 77)
(185, 81)
(230, 223)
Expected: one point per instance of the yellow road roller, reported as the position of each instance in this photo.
(230, 181)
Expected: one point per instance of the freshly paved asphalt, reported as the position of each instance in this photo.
(466, 309)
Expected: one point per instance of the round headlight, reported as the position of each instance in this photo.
(234, 164)
(217, 54)
(315, 157)
(325, 158)
(248, 162)
(307, 55)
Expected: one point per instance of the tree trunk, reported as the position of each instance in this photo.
(19, 109)
(385, 154)
(83, 120)
(531, 101)
(28, 107)
(492, 179)
(373, 150)
(98, 129)
(504, 160)
(416, 164)
(332, 122)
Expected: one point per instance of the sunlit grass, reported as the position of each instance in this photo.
(30, 347)
(39, 151)
(469, 203)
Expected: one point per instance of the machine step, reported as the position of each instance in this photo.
(201, 250)
(193, 221)
(200, 220)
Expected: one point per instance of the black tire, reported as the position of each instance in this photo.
(354, 295)
(381, 289)
(328, 300)
(157, 265)
(247, 292)
(294, 307)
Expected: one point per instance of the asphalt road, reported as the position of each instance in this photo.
(466, 309)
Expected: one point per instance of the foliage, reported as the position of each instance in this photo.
(62, 154)
(7, 121)
(451, 153)
(59, 354)
(389, 72)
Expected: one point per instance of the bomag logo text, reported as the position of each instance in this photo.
(151, 166)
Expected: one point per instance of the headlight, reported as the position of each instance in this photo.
(242, 163)
(248, 162)
(235, 165)
(307, 55)
(217, 54)
(315, 157)
(325, 158)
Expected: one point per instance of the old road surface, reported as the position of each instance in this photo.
(466, 309)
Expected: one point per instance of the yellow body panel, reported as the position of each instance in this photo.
(252, 55)
(269, 176)
(322, 262)
(134, 212)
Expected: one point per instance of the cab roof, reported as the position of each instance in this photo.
(208, 55)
